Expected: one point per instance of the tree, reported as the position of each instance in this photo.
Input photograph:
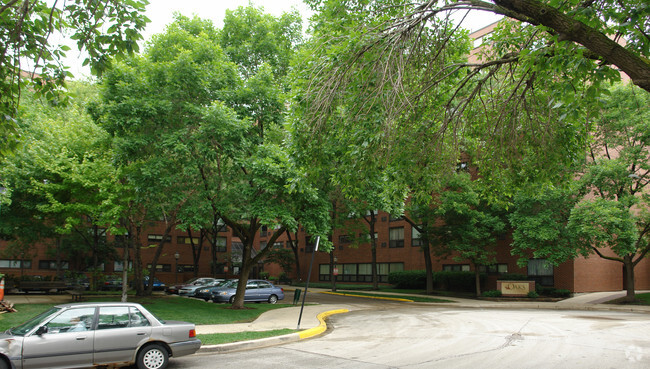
(185, 109)
(62, 182)
(612, 220)
(399, 55)
(103, 29)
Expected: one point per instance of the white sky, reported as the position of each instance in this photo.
(161, 12)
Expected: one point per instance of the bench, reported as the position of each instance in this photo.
(76, 295)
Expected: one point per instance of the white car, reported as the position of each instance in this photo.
(96, 334)
(190, 291)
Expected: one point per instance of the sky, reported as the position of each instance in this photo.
(161, 13)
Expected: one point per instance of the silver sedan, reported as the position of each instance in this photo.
(96, 334)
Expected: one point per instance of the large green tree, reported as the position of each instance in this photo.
(30, 57)
(608, 214)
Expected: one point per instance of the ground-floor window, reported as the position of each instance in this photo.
(359, 272)
(455, 268)
(15, 264)
(493, 268)
(51, 264)
(541, 271)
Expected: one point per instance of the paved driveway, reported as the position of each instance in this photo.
(417, 336)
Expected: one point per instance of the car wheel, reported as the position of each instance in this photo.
(232, 299)
(3, 364)
(206, 299)
(153, 357)
(273, 299)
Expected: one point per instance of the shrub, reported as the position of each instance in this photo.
(533, 294)
(561, 293)
(408, 279)
(457, 281)
(492, 293)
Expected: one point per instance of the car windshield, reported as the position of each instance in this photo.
(24, 328)
(229, 284)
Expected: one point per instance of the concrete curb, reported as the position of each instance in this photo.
(273, 341)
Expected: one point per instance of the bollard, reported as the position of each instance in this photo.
(296, 296)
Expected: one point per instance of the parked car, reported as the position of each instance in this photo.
(257, 290)
(111, 284)
(157, 284)
(96, 334)
(190, 291)
(205, 292)
(194, 281)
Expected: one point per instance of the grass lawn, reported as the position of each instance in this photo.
(165, 307)
(219, 338)
(410, 297)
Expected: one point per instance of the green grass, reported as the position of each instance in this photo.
(219, 338)
(410, 297)
(165, 307)
(644, 298)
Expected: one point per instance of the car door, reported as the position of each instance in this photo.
(68, 342)
(120, 331)
(264, 290)
(252, 292)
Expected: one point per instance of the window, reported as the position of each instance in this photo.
(15, 264)
(161, 267)
(344, 239)
(278, 245)
(494, 268)
(51, 264)
(416, 239)
(118, 266)
(221, 244)
(185, 268)
(157, 238)
(182, 240)
(396, 237)
(359, 272)
(263, 245)
(264, 232)
(455, 268)
(73, 320)
(541, 271)
(324, 272)
(121, 317)
(394, 218)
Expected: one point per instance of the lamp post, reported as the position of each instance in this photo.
(177, 256)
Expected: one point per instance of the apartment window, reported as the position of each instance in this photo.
(344, 239)
(455, 268)
(364, 273)
(263, 245)
(264, 232)
(221, 244)
(51, 264)
(118, 266)
(416, 237)
(396, 237)
(157, 238)
(493, 269)
(278, 245)
(541, 271)
(324, 272)
(161, 267)
(184, 240)
(182, 268)
(15, 264)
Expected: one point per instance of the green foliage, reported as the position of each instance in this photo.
(492, 293)
(532, 294)
(457, 281)
(408, 279)
(103, 29)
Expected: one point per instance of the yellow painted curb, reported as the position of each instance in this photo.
(368, 297)
(311, 332)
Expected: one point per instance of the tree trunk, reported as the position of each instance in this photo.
(428, 264)
(125, 267)
(373, 249)
(477, 275)
(628, 267)
(294, 248)
(247, 266)
(332, 276)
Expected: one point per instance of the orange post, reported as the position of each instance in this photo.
(2, 289)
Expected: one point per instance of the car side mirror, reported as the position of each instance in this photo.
(41, 330)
